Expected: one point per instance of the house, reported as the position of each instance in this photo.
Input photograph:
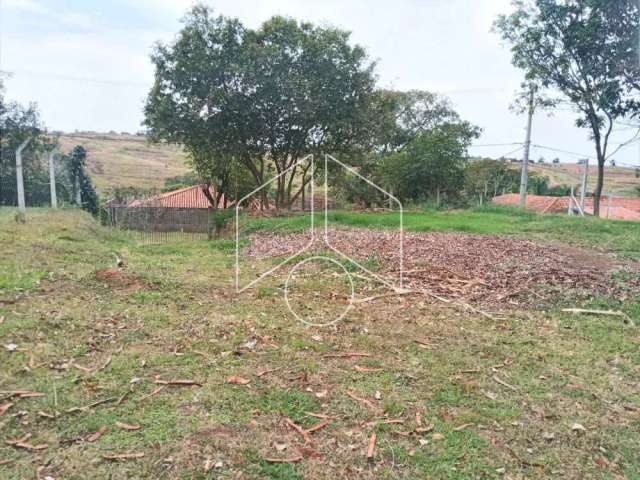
(184, 198)
(183, 210)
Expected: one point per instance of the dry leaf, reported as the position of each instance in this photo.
(576, 427)
(358, 368)
(436, 437)
(128, 426)
(5, 407)
(235, 380)
(97, 434)
(122, 456)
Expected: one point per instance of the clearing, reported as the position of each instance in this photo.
(159, 370)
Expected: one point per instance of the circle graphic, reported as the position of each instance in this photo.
(297, 267)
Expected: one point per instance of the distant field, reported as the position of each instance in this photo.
(127, 160)
(617, 179)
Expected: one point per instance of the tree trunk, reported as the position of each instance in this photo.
(597, 194)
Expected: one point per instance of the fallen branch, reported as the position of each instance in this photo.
(462, 427)
(360, 369)
(318, 426)
(155, 392)
(183, 383)
(347, 355)
(303, 433)
(122, 456)
(297, 458)
(504, 384)
(372, 447)
(319, 415)
(586, 311)
(92, 405)
(22, 443)
(372, 406)
(261, 373)
(387, 295)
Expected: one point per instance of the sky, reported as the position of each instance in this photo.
(86, 62)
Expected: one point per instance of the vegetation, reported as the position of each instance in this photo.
(83, 335)
(587, 50)
(276, 93)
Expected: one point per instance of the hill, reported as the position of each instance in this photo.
(120, 160)
(129, 160)
(621, 180)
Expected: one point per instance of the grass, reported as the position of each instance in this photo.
(620, 237)
(125, 160)
(81, 339)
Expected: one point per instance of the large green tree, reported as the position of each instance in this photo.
(584, 50)
(264, 97)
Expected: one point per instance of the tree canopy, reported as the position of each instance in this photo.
(587, 51)
(262, 98)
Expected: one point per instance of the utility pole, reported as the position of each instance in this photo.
(583, 188)
(524, 178)
(22, 206)
(52, 180)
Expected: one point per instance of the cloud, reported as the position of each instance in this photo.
(66, 17)
(26, 5)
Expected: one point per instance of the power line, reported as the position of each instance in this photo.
(72, 78)
(497, 144)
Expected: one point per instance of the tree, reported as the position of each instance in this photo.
(17, 124)
(264, 98)
(78, 178)
(576, 47)
(555, 161)
(431, 166)
(487, 178)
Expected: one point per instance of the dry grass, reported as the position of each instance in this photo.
(127, 160)
(449, 394)
(621, 180)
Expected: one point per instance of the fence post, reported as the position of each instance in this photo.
(52, 181)
(78, 194)
(22, 206)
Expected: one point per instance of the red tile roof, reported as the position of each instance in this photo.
(189, 197)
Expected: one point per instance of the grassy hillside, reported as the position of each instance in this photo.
(127, 160)
(617, 179)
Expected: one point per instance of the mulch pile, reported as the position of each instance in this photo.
(479, 269)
